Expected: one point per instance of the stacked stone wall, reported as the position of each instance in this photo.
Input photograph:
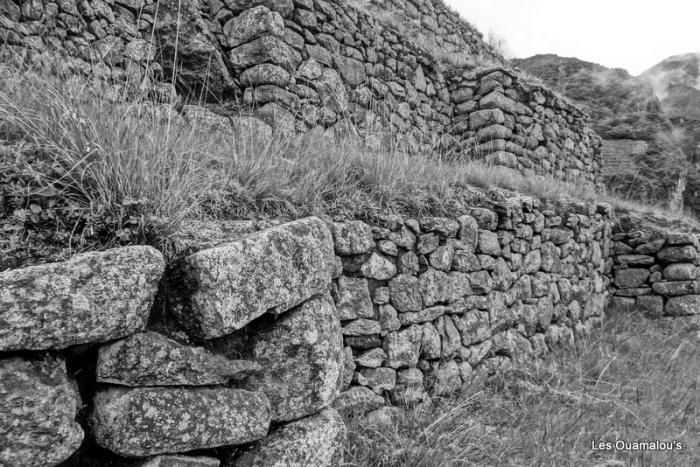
(317, 66)
(439, 27)
(246, 347)
(431, 305)
(654, 270)
(501, 118)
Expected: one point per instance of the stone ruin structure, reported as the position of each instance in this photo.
(248, 346)
(319, 66)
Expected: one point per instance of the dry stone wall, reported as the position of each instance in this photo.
(318, 66)
(655, 270)
(250, 345)
(501, 118)
(431, 305)
(435, 25)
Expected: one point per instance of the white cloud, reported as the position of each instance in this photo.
(629, 34)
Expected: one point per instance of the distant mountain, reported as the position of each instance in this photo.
(641, 156)
(676, 81)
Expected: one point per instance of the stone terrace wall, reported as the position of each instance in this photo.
(501, 118)
(431, 305)
(437, 26)
(258, 333)
(655, 270)
(315, 65)
(304, 64)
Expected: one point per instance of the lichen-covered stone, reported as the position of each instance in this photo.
(405, 293)
(94, 297)
(150, 359)
(678, 254)
(313, 441)
(301, 353)
(352, 238)
(402, 348)
(251, 24)
(275, 269)
(683, 306)
(353, 299)
(378, 267)
(627, 278)
(38, 405)
(175, 460)
(139, 422)
(358, 399)
(264, 49)
(361, 327)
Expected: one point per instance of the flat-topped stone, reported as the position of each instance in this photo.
(148, 421)
(93, 297)
(151, 359)
(274, 270)
(38, 406)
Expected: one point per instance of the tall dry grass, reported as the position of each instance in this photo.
(632, 380)
(124, 158)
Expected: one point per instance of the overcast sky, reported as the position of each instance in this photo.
(630, 34)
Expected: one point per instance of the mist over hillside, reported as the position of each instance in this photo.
(642, 157)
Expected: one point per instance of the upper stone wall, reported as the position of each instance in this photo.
(500, 117)
(435, 26)
(320, 65)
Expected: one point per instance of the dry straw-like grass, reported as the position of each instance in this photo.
(632, 380)
(124, 157)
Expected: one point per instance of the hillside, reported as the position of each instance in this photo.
(640, 154)
(676, 81)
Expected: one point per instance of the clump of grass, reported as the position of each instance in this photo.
(630, 380)
(134, 166)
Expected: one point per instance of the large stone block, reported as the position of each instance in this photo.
(313, 441)
(678, 254)
(228, 286)
(301, 353)
(631, 278)
(148, 421)
(251, 24)
(683, 306)
(94, 297)
(402, 348)
(266, 49)
(150, 359)
(38, 405)
(352, 238)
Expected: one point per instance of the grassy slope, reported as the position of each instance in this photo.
(86, 166)
(632, 380)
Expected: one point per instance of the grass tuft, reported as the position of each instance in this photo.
(631, 380)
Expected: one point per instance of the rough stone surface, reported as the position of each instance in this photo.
(94, 297)
(181, 461)
(148, 421)
(314, 441)
(150, 359)
(38, 406)
(275, 269)
(683, 306)
(358, 399)
(352, 238)
(301, 354)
